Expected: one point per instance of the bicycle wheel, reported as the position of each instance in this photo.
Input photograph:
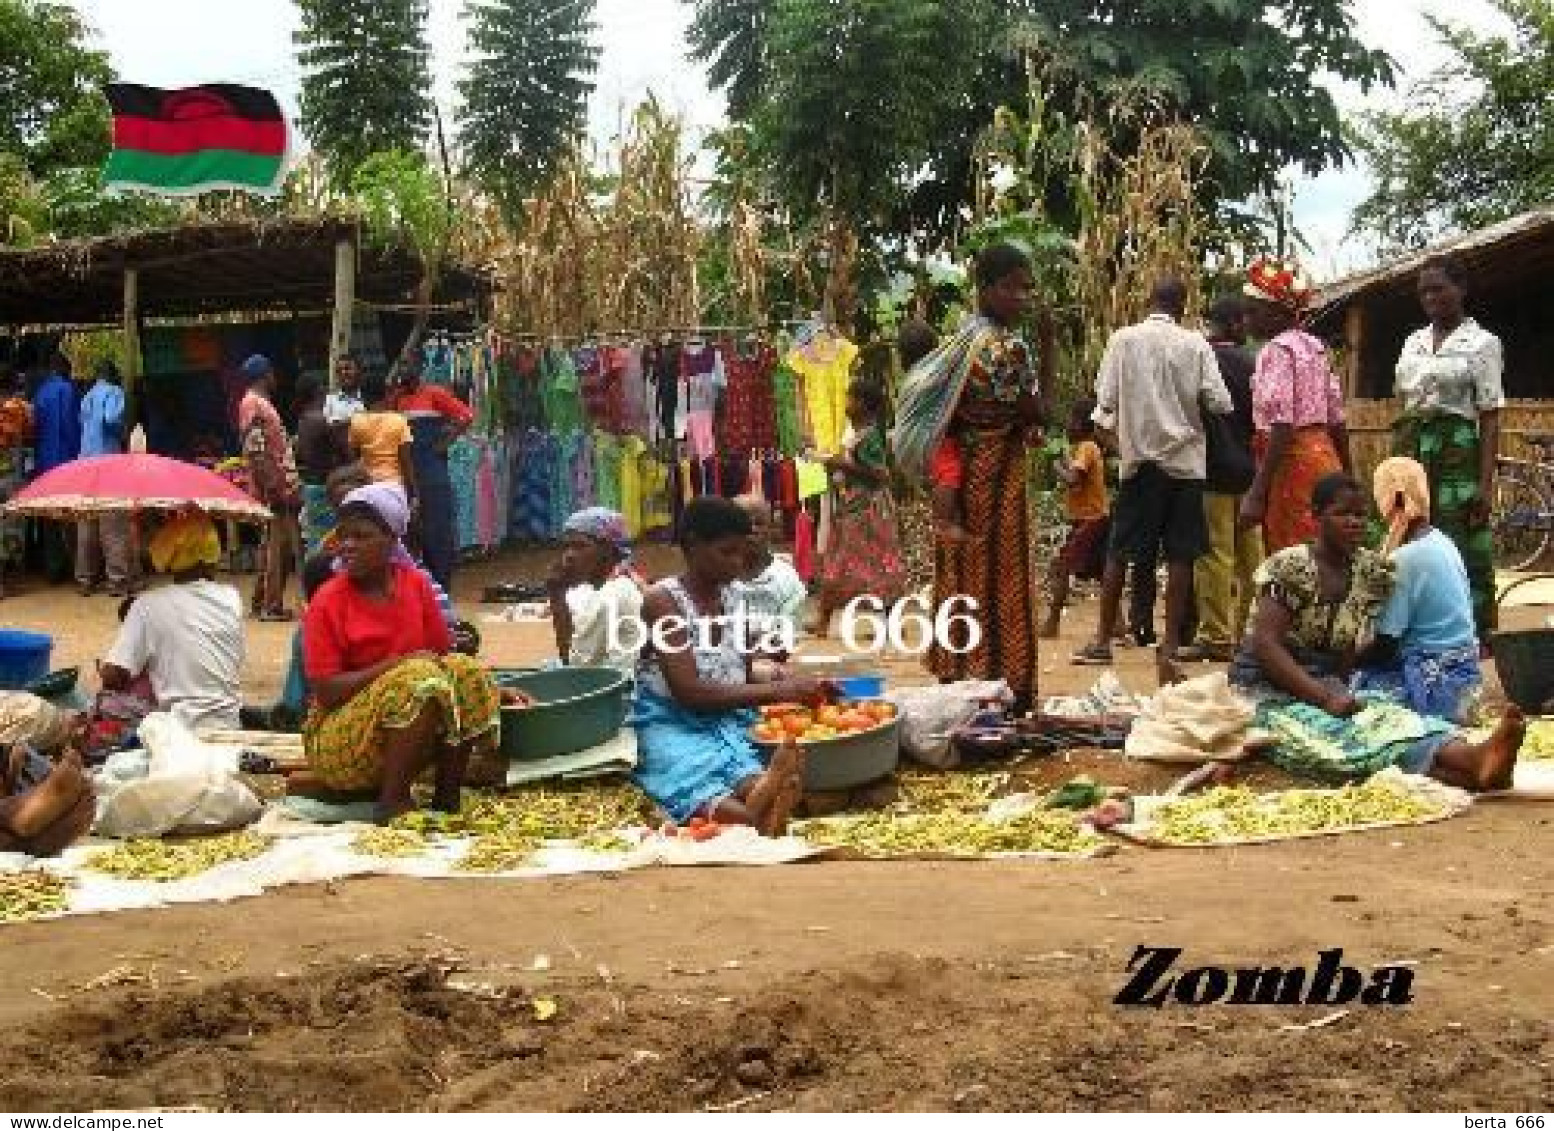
(1522, 522)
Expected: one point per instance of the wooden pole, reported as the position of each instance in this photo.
(134, 365)
(345, 304)
(1354, 348)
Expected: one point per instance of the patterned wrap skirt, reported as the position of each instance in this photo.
(1448, 448)
(1312, 456)
(992, 568)
(318, 518)
(1441, 684)
(344, 747)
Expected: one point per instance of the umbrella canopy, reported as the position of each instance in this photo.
(104, 484)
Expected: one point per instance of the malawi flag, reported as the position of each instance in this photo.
(183, 142)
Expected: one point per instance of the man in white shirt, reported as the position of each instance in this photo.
(1157, 379)
(186, 638)
(346, 401)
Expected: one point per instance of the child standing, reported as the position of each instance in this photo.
(1084, 498)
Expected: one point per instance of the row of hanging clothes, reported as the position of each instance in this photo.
(641, 425)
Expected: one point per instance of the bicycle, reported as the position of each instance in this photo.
(1522, 518)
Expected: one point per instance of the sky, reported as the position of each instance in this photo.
(187, 42)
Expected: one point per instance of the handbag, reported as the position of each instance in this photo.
(1230, 467)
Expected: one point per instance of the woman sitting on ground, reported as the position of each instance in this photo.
(592, 587)
(1426, 652)
(185, 639)
(695, 698)
(1316, 608)
(323, 564)
(390, 699)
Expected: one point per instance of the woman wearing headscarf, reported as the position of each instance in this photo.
(390, 698)
(594, 593)
(1450, 379)
(1426, 650)
(1297, 408)
(186, 638)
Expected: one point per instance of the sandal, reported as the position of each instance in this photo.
(1093, 655)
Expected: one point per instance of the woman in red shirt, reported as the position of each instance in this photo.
(390, 698)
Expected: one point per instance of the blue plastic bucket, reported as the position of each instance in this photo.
(24, 658)
(861, 686)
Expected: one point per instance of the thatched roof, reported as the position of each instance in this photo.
(207, 268)
(1498, 255)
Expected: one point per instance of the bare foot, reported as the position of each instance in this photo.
(1497, 766)
(951, 532)
(774, 822)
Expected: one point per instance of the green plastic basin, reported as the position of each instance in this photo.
(575, 709)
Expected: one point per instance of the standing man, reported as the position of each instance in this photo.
(57, 429)
(275, 484)
(1222, 578)
(320, 449)
(1157, 379)
(437, 419)
(346, 401)
(103, 544)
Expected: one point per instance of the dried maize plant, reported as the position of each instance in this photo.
(1139, 219)
(649, 236)
(546, 274)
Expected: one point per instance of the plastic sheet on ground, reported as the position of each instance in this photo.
(1449, 802)
(616, 756)
(313, 854)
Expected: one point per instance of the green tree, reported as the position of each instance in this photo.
(729, 36)
(1475, 141)
(846, 113)
(52, 110)
(526, 97)
(1253, 75)
(404, 203)
(366, 78)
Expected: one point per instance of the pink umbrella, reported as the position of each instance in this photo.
(104, 484)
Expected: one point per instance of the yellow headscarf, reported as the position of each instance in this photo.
(1402, 491)
(184, 543)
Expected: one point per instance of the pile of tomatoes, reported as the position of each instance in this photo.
(782, 721)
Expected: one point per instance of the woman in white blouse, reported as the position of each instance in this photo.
(1450, 380)
(595, 594)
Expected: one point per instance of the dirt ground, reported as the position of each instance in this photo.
(912, 986)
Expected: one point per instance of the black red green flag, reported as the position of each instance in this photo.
(183, 142)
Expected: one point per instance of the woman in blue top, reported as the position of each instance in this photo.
(1426, 651)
